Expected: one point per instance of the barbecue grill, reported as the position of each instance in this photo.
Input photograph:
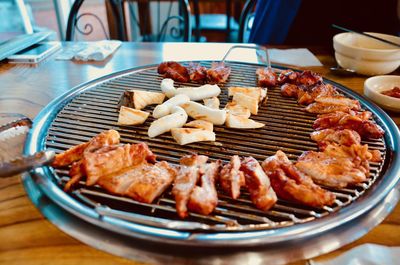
(236, 231)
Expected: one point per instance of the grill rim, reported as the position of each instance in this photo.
(43, 176)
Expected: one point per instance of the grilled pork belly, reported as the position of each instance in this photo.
(329, 136)
(143, 182)
(258, 184)
(308, 78)
(174, 70)
(355, 121)
(287, 76)
(203, 198)
(75, 153)
(231, 178)
(309, 94)
(266, 77)
(218, 73)
(292, 185)
(110, 159)
(197, 73)
(186, 180)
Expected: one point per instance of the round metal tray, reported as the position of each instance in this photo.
(340, 222)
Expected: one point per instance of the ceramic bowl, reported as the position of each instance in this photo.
(373, 87)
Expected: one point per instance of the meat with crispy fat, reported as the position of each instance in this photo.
(232, 178)
(329, 136)
(174, 70)
(218, 73)
(266, 77)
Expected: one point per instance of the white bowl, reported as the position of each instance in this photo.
(373, 87)
(366, 55)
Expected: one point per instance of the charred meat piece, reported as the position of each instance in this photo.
(203, 198)
(292, 185)
(197, 73)
(231, 178)
(354, 121)
(174, 71)
(322, 108)
(309, 94)
(144, 182)
(290, 90)
(110, 159)
(258, 184)
(218, 73)
(287, 76)
(339, 100)
(308, 78)
(329, 136)
(75, 153)
(186, 180)
(266, 77)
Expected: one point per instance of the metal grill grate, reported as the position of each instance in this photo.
(287, 128)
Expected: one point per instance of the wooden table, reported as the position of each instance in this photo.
(26, 236)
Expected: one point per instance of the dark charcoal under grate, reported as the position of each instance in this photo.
(287, 128)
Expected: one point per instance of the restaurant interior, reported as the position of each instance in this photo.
(199, 132)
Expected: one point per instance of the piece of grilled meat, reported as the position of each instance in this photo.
(174, 70)
(266, 77)
(258, 184)
(292, 185)
(329, 136)
(197, 73)
(218, 73)
(231, 178)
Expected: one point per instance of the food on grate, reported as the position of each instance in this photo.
(197, 73)
(258, 93)
(176, 119)
(266, 77)
(339, 100)
(203, 198)
(143, 182)
(231, 178)
(194, 93)
(129, 116)
(246, 101)
(290, 90)
(337, 166)
(174, 71)
(166, 108)
(139, 99)
(200, 112)
(191, 135)
(329, 136)
(211, 102)
(186, 179)
(308, 78)
(218, 73)
(241, 122)
(308, 94)
(75, 153)
(357, 121)
(200, 124)
(237, 110)
(287, 76)
(292, 185)
(320, 108)
(258, 184)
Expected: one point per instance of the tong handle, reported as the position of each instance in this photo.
(23, 164)
(265, 60)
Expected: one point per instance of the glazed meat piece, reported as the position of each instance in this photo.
(218, 73)
(186, 180)
(290, 90)
(197, 73)
(354, 121)
(231, 178)
(322, 108)
(203, 198)
(330, 171)
(292, 185)
(309, 94)
(174, 71)
(75, 153)
(287, 76)
(339, 100)
(329, 136)
(258, 184)
(308, 78)
(144, 182)
(110, 159)
(266, 77)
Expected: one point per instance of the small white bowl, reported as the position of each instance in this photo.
(366, 55)
(373, 87)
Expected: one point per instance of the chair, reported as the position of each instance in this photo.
(246, 20)
(135, 20)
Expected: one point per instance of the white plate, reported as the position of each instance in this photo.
(373, 87)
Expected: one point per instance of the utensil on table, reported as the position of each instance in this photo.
(367, 35)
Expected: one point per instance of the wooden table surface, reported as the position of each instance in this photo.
(26, 236)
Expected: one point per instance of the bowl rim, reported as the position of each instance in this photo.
(384, 100)
(337, 36)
